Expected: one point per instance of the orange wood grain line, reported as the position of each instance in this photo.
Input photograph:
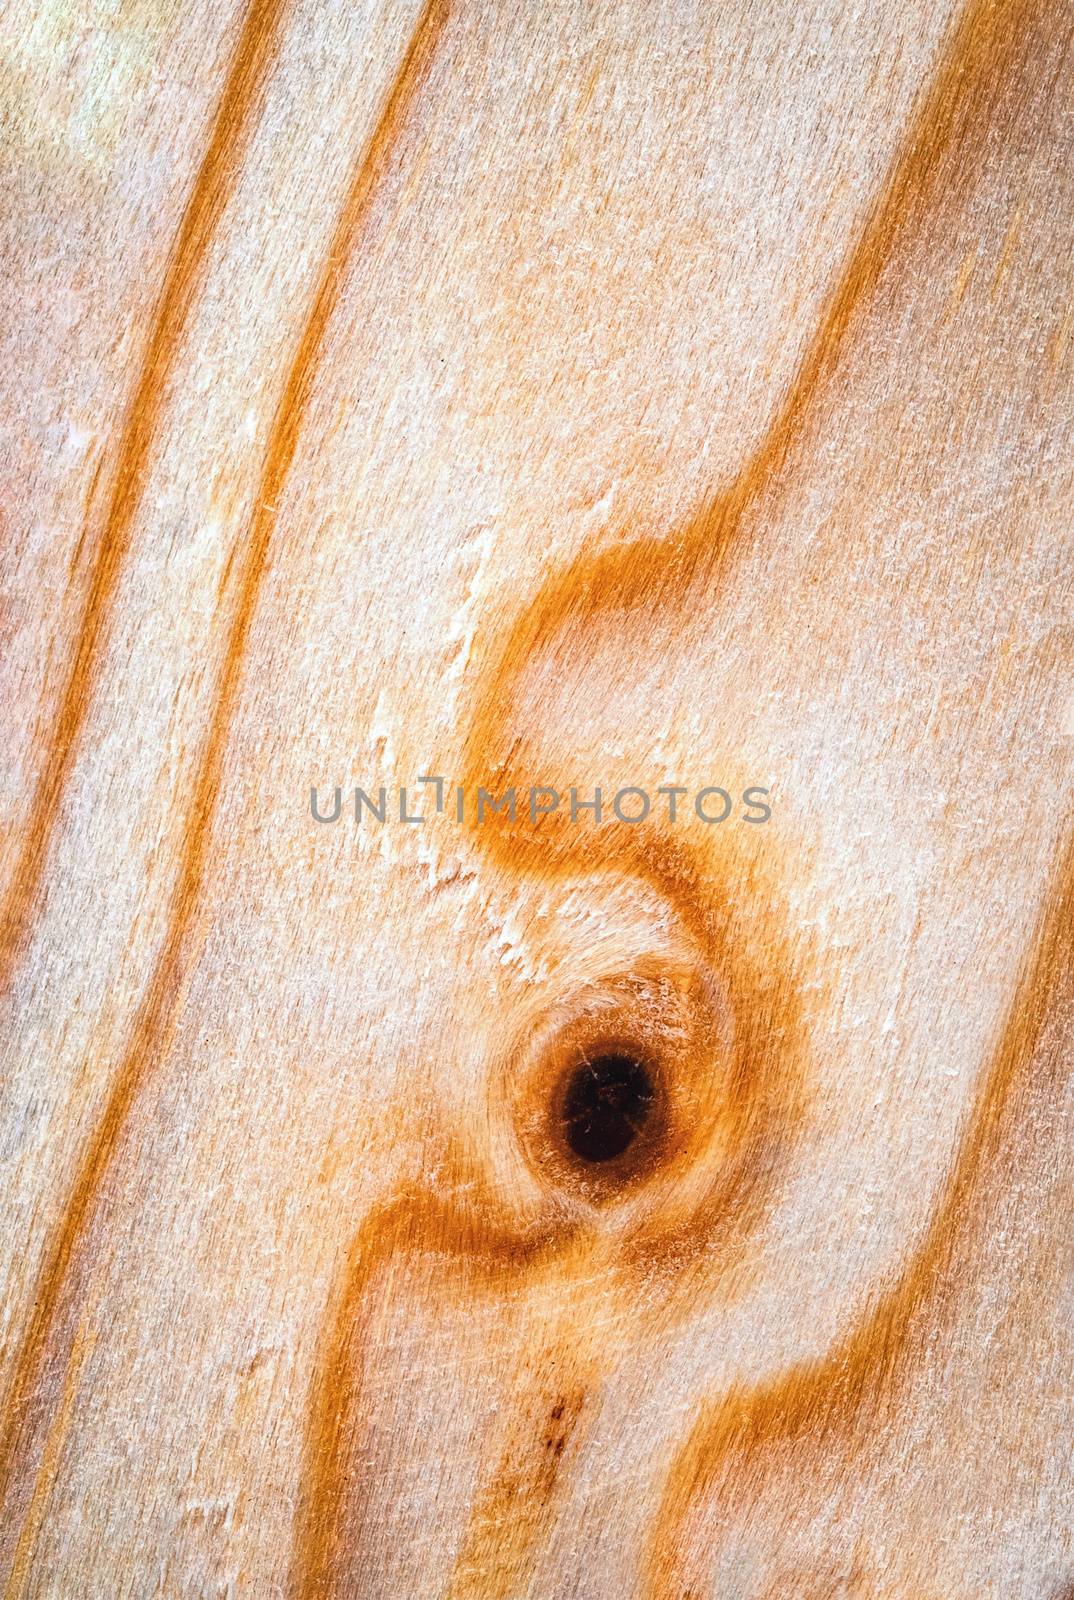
(653, 1259)
(231, 129)
(734, 1435)
(995, 43)
(183, 278)
(46, 1342)
(485, 1250)
(655, 1264)
(990, 47)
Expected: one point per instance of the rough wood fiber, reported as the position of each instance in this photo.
(560, 396)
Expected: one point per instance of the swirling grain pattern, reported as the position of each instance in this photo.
(641, 1207)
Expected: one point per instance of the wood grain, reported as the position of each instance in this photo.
(604, 397)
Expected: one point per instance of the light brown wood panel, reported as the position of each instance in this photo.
(538, 399)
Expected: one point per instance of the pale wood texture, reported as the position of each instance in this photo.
(537, 394)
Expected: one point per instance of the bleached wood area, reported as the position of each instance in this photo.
(537, 397)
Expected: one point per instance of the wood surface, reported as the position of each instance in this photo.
(548, 395)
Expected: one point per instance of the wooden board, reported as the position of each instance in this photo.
(666, 399)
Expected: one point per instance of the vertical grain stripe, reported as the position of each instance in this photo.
(235, 115)
(430, 1219)
(994, 56)
(47, 1334)
(733, 1435)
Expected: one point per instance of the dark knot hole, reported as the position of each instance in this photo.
(606, 1106)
